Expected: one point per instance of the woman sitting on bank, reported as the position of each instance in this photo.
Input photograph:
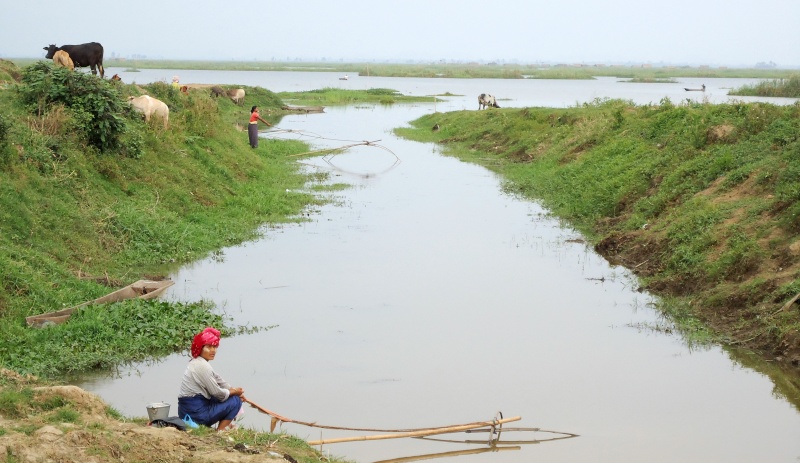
(204, 395)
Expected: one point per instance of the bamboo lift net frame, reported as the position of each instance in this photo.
(494, 427)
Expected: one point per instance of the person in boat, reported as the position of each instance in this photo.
(204, 396)
(252, 128)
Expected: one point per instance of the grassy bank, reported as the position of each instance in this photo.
(787, 88)
(40, 421)
(701, 201)
(93, 198)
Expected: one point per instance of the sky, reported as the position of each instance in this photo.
(673, 32)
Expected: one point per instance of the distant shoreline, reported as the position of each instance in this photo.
(642, 72)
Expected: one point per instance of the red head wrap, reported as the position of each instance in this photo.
(207, 337)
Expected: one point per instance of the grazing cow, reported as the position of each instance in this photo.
(486, 101)
(116, 78)
(87, 54)
(237, 95)
(149, 106)
(217, 91)
(185, 89)
(61, 58)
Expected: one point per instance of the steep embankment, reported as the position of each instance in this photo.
(92, 197)
(701, 201)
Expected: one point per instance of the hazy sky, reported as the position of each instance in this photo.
(712, 32)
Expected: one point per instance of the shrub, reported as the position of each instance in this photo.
(84, 94)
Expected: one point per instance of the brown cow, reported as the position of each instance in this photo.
(217, 91)
(61, 58)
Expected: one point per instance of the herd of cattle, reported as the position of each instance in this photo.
(91, 55)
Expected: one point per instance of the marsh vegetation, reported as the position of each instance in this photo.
(788, 87)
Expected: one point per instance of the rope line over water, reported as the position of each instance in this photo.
(352, 143)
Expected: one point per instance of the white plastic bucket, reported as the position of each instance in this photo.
(158, 411)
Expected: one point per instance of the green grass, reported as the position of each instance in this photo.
(78, 220)
(651, 80)
(701, 200)
(338, 97)
(788, 87)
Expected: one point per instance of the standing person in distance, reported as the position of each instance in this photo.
(252, 128)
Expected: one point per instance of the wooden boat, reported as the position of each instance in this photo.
(304, 109)
(701, 89)
(142, 289)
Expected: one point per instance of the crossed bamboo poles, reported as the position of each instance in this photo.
(393, 433)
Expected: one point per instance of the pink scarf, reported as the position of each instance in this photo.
(207, 337)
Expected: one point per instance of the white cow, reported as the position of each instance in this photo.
(486, 101)
(237, 95)
(149, 106)
(61, 58)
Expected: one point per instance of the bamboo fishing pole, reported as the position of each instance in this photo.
(275, 417)
(421, 433)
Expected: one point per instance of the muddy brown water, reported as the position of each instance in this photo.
(425, 296)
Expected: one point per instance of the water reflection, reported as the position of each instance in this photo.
(493, 443)
(450, 454)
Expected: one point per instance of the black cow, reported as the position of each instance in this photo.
(87, 54)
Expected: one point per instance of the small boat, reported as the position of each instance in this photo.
(701, 89)
(142, 289)
(304, 109)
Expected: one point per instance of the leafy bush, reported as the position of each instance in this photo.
(92, 100)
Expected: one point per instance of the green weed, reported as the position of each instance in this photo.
(14, 403)
(64, 415)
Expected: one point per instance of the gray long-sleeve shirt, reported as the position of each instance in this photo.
(200, 378)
